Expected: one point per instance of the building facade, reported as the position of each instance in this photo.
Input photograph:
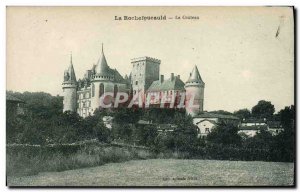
(84, 95)
(208, 121)
(14, 106)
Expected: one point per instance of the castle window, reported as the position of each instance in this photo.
(101, 89)
(206, 130)
(93, 90)
(136, 82)
(115, 91)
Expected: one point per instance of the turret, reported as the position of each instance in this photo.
(69, 86)
(101, 81)
(194, 93)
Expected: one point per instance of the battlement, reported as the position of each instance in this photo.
(145, 58)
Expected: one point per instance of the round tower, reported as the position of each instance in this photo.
(194, 93)
(102, 82)
(69, 86)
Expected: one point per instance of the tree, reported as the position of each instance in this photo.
(243, 113)
(263, 109)
(103, 133)
(287, 117)
(127, 115)
(164, 143)
(221, 112)
(145, 135)
(284, 142)
(262, 140)
(185, 135)
(224, 134)
(161, 115)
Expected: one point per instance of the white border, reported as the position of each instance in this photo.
(106, 3)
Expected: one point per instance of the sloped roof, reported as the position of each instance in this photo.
(72, 72)
(101, 67)
(274, 124)
(11, 98)
(167, 126)
(195, 76)
(69, 74)
(219, 116)
(253, 120)
(166, 85)
(118, 77)
(257, 127)
(143, 122)
(211, 121)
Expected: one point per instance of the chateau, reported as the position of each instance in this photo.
(84, 95)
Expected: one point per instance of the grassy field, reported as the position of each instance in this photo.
(31, 160)
(167, 172)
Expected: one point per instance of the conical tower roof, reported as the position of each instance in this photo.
(195, 76)
(70, 73)
(101, 67)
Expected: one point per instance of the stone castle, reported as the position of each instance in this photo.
(83, 95)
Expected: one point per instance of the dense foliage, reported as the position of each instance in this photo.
(45, 123)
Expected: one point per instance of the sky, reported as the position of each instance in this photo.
(244, 54)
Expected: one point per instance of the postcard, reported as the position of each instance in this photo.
(150, 96)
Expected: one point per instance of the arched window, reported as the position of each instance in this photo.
(101, 89)
(93, 90)
(115, 91)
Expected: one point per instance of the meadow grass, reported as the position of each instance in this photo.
(168, 172)
(22, 161)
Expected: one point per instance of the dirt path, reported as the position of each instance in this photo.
(167, 172)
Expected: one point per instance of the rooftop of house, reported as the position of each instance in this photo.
(173, 83)
(254, 120)
(144, 122)
(211, 121)
(215, 115)
(166, 127)
(254, 127)
(274, 124)
(13, 99)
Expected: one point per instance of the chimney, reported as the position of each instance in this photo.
(161, 78)
(178, 76)
(172, 76)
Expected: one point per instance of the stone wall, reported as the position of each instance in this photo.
(70, 97)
